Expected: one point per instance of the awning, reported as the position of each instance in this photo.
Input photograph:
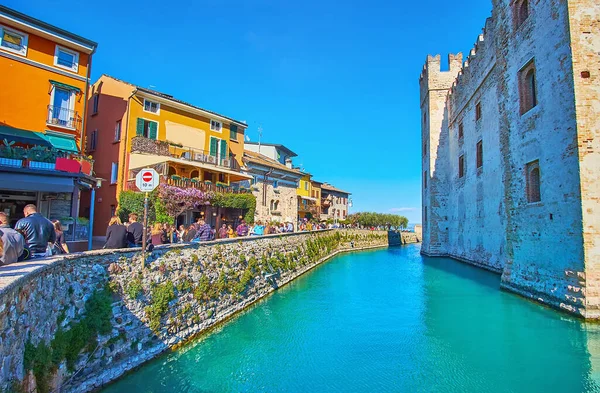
(62, 142)
(23, 136)
(308, 198)
(65, 86)
(137, 160)
(27, 182)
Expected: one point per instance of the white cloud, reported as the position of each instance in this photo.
(402, 209)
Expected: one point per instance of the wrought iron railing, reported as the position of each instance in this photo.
(63, 117)
(183, 182)
(140, 144)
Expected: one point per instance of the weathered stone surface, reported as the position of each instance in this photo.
(545, 250)
(40, 299)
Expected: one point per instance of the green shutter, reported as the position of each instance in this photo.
(213, 146)
(223, 149)
(153, 134)
(233, 131)
(139, 131)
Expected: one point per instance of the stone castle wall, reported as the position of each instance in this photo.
(78, 322)
(546, 249)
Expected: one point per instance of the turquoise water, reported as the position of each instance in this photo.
(386, 321)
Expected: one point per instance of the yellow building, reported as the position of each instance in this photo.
(131, 128)
(308, 203)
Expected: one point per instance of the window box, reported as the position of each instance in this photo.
(13, 162)
(221, 184)
(86, 167)
(49, 166)
(68, 165)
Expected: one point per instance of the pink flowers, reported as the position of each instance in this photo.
(177, 200)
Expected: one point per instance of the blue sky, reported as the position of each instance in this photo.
(336, 82)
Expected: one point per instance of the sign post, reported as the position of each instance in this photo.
(146, 181)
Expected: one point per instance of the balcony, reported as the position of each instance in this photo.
(42, 158)
(63, 117)
(183, 182)
(140, 144)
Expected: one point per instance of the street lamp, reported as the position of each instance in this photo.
(92, 205)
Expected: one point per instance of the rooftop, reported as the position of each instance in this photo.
(173, 99)
(329, 187)
(14, 15)
(277, 145)
(257, 158)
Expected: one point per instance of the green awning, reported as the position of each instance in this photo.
(65, 86)
(62, 142)
(23, 136)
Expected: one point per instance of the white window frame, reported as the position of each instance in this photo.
(25, 36)
(220, 123)
(152, 102)
(75, 54)
(114, 172)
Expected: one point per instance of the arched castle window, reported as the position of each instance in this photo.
(194, 174)
(172, 170)
(527, 87)
(276, 206)
(521, 12)
(533, 182)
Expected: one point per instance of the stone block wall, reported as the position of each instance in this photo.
(286, 196)
(81, 321)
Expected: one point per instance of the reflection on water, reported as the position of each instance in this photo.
(386, 320)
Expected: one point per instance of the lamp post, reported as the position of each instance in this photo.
(92, 205)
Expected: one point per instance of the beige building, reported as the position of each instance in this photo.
(334, 203)
(274, 185)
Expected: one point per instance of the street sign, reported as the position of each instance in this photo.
(147, 180)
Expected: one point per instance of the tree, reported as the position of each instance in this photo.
(371, 219)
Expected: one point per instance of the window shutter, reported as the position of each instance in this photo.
(139, 131)
(152, 134)
(233, 131)
(213, 146)
(223, 149)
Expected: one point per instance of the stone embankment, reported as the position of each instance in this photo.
(78, 322)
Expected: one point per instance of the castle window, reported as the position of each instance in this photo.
(424, 216)
(461, 131)
(425, 148)
(527, 88)
(533, 182)
(479, 154)
(425, 179)
(461, 166)
(521, 12)
(478, 111)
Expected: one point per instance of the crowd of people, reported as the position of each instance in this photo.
(33, 236)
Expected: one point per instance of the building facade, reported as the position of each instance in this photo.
(511, 152)
(274, 186)
(131, 128)
(307, 203)
(334, 203)
(43, 91)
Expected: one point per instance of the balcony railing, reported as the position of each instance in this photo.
(183, 182)
(140, 144)
(63, 117)
(42, 158)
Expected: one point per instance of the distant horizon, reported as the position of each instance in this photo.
(337, 85)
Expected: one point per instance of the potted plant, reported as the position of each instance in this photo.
(39, 157)
(11, 156)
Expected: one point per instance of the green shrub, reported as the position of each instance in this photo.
(134, 288)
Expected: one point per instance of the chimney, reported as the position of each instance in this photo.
(288, 162)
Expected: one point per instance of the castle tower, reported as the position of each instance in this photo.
(435, 85)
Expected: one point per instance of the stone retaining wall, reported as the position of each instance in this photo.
(78, 322)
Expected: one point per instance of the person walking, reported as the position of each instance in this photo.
(60, 246)
(259, 229)
(13, 242)
(156, 235)
(165, 236)
(242, 229)
(116, 234)
(135, 231)
(180, 233)
(223, 232)
(230, 232)
(38, 231)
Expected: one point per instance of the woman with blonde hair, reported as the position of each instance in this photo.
(116, 234)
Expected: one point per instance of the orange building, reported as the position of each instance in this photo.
(44, 73)
(130, 128)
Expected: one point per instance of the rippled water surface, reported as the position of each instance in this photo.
(389, 321)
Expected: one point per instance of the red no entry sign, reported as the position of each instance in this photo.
(147, 180)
